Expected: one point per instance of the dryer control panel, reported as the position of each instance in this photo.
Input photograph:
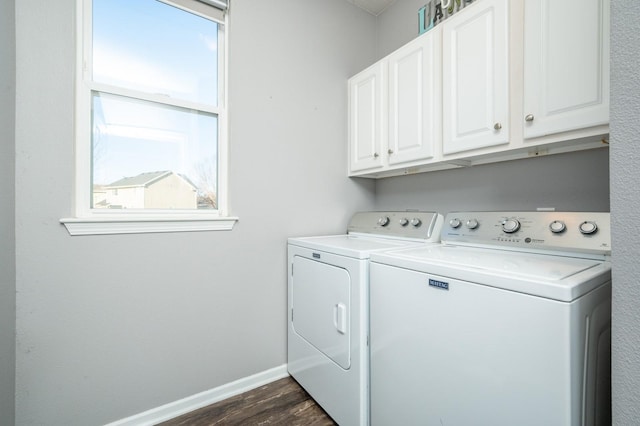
(582, 232)
(398, 224)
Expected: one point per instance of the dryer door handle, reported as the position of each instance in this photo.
(340, 317)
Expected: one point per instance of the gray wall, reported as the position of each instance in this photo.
(571, 182)
(7, 223)
(625, 205)
(397, 25)
(109, 326)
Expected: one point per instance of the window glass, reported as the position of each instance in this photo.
(149, 61)
(152, 156)
(156, 48)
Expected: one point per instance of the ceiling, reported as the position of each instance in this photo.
(375, 7)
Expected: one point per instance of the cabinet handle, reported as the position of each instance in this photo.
(528, 117)
(390, 151)
(376, 155)
(497, 126)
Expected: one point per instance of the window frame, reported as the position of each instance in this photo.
(89, 221)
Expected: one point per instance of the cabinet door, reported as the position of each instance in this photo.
(566, 65)
(366, 125)
(476, 77)
(415, 99)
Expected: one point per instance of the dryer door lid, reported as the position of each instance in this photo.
(321, 308)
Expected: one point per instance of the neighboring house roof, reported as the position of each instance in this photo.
(145, 179)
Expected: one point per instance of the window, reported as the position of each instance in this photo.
(151, 117)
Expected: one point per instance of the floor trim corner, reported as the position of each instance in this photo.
(202, 399)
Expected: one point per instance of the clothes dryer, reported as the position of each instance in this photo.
(328, 292)
(507, 322)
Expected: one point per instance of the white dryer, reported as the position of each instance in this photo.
(328, 292)
(507, 322)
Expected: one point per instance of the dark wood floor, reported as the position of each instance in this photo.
(282, 402)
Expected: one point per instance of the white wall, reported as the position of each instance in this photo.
(625, 205)
(7, 223)
(109, 326)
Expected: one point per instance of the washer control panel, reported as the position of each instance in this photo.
(585, 232)
(407, 224)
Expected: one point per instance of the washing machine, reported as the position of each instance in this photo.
(328, 291)
(507, 322)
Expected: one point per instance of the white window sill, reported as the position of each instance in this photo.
(143, 225)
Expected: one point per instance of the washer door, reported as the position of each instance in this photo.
(321, 308)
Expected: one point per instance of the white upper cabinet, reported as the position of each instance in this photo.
(476, 77)
(395, 108)
(415, 99)
(566, 65)
(367, 117)
(498, 80)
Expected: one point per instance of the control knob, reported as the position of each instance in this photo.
(557, 226)
(472, 223)
(455, 223)
(588, 228)
(510, 226)
(404, 221)
(416, 222)
(383, 221)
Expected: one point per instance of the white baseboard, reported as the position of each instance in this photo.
(202, 399)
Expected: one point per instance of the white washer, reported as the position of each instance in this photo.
(328, 295)
(507, 322)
